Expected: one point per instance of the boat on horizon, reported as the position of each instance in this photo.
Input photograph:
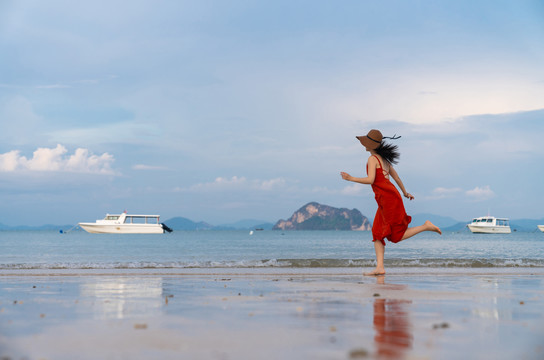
(541, 227)
(490, 225)
(126, 224)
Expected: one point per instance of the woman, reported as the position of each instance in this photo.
(391, 221)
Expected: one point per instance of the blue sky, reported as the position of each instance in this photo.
(227, 110)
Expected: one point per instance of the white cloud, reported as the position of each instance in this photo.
(53, 86)
(317, 190)
(270, 184)
(56, 159)
(119, 132)
(442, 193)
(148, 167)
(77, 82)
(9, 161)
(354, 189)
(235, 183)
(480, 193)
(476, 194)
(44, 159)
(220, 183)
(96, 81)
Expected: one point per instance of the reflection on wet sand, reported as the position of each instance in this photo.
(392, 325)
(118, 297)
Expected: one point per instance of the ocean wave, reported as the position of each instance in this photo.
(288, 263)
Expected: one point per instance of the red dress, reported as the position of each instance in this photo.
(391, 220)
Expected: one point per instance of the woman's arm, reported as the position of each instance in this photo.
(369, 180)
(397, 179)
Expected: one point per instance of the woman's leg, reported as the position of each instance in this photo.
(428, 226)
(380, 251)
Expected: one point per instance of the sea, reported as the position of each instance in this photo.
(79, 251)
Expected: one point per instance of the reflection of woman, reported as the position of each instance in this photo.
(391, 221)
(392, 325)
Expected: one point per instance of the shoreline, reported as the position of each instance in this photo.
(275, 271)
(270, 314)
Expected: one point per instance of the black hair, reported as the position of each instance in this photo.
(388, 152)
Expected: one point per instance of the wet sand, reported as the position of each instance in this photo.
(272, 314)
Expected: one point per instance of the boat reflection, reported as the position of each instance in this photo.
(120, 297)
(393, 328)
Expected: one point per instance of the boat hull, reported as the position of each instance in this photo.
(489, 229)
(541, 227)
(122, 228)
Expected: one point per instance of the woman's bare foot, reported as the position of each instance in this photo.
(376, 272)
(432, 227)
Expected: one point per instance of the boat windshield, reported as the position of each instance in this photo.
(112, 217)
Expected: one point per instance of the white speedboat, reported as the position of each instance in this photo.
(541, 227)
(126, 224)
(489, 225)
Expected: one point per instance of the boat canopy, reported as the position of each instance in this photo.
(133, 219)
(490, 220)
(142, 219)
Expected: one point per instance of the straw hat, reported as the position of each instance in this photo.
(371, 140)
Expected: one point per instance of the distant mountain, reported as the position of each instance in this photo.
(526, 224)
(181, 223)
(314, 216)
(523, 225)
(440, 221)
(460, 226)
(248, 224)
(37, 228)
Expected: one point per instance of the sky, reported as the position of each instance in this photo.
(219, 111)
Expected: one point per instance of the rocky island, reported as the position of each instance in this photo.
(315, 216)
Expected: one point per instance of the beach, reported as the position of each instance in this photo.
(323, 313)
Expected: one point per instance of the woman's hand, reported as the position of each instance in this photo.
(348, 177)
(409, 196)
(345, 176)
